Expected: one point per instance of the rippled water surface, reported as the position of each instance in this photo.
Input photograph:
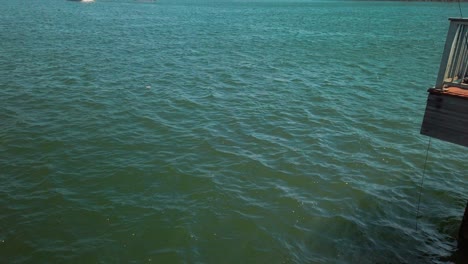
(223, 132)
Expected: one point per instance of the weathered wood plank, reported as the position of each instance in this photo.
(446, 118)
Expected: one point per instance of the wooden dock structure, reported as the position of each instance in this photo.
(446, 114)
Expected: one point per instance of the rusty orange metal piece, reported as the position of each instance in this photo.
(452, 91)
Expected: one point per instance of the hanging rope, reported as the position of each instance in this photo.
(422, 181)
(459, 8)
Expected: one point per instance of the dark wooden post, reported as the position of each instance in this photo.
(463, 232)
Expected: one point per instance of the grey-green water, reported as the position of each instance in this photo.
(223, 132)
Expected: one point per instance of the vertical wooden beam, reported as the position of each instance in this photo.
(463, 232)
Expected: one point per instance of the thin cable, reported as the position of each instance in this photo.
(422, 181)
(459, 8)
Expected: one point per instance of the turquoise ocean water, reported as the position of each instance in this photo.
(223, 132)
